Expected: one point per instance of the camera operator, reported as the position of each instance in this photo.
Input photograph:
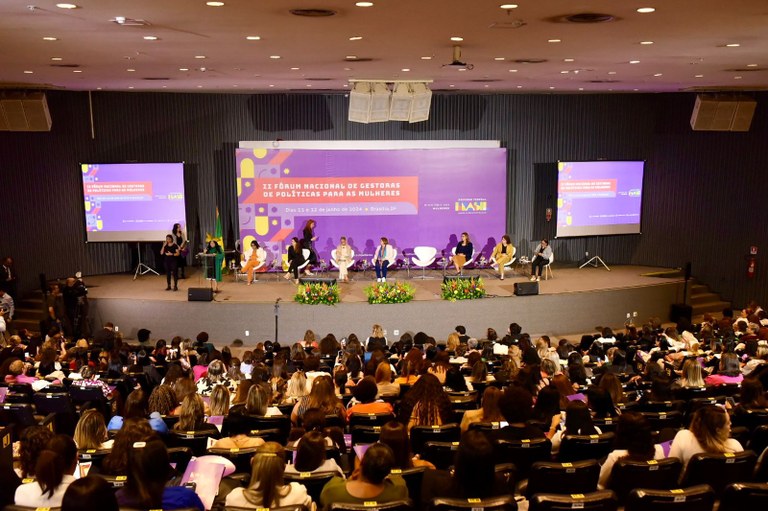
(76, 307)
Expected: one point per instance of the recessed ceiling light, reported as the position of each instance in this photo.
(350, 57)
(451, 85)
(214, 4)
(183, 69)
(737, 77)
(199, 86)
(635, 90)
(519, 86)
(66, 6)
(28, 72)
(364, 4)
(657, 74)
(355, 38)
(275, 57)
(405, 69)
(50, 38)
(199, 56)
(347, 69)
(235, 85)
(77, 70)
(309, 85)
(551, 88)
(581, 88)
(646, 43)
(130, 70)
(513, 70)
(499, 58)
(611, 72)
(462, 69)
(554, 40)
(732, 45)
(508, 6)
(568, 60)
(426, 57)
(98, 88)
(699, 76)
(130, 86)
(486, 85)
(646, 10)
(271, 84)
(151, 38)
(751, 65)
(345, 85)
(634, 61)
(56, 58)
(457, 39)
(253, 38)
(564, 72)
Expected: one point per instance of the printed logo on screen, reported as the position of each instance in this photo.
(471, 206)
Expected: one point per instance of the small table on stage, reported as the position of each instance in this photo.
(523, 266)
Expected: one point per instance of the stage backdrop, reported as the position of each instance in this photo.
(425, 196)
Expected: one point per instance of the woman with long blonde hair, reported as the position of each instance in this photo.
(709, 432)
(91, 432)
(192, 416)
(219, 401)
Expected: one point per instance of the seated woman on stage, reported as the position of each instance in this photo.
(382, 258)
(541, 258)
(214, 273)
(343, 256)
(254, 256)
(295, 259)
(464, 252)
(502, 254)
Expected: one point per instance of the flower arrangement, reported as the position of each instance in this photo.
(385, 292)
(463, 289)
(317, 294)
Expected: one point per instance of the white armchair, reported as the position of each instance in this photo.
(351, 261)
(469, 261)
(425, 256)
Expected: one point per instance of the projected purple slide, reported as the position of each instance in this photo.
(599, 197)
(412, 196)
(132, 201)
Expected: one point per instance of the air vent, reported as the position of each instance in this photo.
(318, 79)
(155, 78)
(129, 22)
(66, 65)
(313, 13)
(506, 25)
(528, 61)
(359, 59)
(745, 70)
(485, 80)
(589, 17)
(603, 81)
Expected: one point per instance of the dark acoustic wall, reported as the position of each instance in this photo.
(704, 192)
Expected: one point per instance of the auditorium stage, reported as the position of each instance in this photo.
(575, 300)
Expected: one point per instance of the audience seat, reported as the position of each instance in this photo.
(664, 420)
(694, 498)
(652, 474)
(506, 503)
(282, 423)
(179, 457)
(585, 447)
(22, 415)
(61, 404)
(744, 496)
(281, 508)
(596, 501)
(197, 441)
(395, 505)
(562, 478)
(365, 434)
(94, 456)
(269, 435)
(759, 439)
(314, 481)
(523, 453)
(719, 470)
(240, 457)
(369, 419)
(440, 454)
(761, 468)
(662, 406)
(413, 478)
(420, 435)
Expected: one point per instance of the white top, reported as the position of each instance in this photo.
(31, 495)
(685, 445)
(297, 495)
(614, 456)
(326, 466)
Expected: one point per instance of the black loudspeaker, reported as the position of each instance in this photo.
(678, 311)
(318, 280)
(526, 288)
(449, 278)
(200, 294)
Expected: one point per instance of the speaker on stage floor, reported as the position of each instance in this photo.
(449, 278)
(526, 288)
(678, 311)
(317, 280)
(199, 294)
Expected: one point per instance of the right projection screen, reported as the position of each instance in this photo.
(599, 198)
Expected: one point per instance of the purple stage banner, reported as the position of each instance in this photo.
(414, 197)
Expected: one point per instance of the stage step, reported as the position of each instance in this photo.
(29, 312)
(697, 299)
(703, 300)
(716, 306)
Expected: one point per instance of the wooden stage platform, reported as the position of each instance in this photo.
(575, 300)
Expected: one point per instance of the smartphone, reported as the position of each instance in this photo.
(117, 328)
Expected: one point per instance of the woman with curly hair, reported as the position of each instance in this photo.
(133, 430)
(426, 404)
(32, 441)
(411, 367)
(162, 400)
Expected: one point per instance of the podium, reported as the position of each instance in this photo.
(209, 265)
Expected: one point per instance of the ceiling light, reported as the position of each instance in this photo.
(199, 56)
(568, 60)
(130, 70)
(56, 58)
(355, 38)
(345, 85)
(451, 85)
(130, 86)
(499, 58)
(457, 39)
(66, 6)
(426, 57)
(554, 40)
(294, 69)
(486, 85)
(581, 88)
(634, 61)
(275, 57)
(28, 72)
(565, 72)
(183, 69)
(309, 85)
(508, 6)
(513, 70)
(519, 86)
(253, 38)
(732, 45)
(551, 88)
(611, 72)
(646, 10)
(77, 71)
(271, 84)
(699, 76)
(657, 74)
(151, 38)
(347, 69)
(737, 77)
(645, 43)
(462, 69)
(364, 4)
(50, 38)
(350, 57)
(405, 69)
(751, 65)
(214, 4)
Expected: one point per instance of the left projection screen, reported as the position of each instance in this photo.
(132, 201)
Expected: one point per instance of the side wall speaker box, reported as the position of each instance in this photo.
(722, 113)
(678, 311)
(20, 111)
(199, 294)
(317, 280)
(526, 288)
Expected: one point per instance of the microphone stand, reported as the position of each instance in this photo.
(277, 316)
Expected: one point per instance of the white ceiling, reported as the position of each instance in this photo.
(689, 38)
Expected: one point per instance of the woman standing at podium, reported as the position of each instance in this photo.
(170, 253)
(214, 269)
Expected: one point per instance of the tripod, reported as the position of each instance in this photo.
(141, 268)
(594, 262)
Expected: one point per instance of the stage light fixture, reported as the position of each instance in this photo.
(422, 99)
(360, 103)
(373, 101)
(380, 98)
(402, 99)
